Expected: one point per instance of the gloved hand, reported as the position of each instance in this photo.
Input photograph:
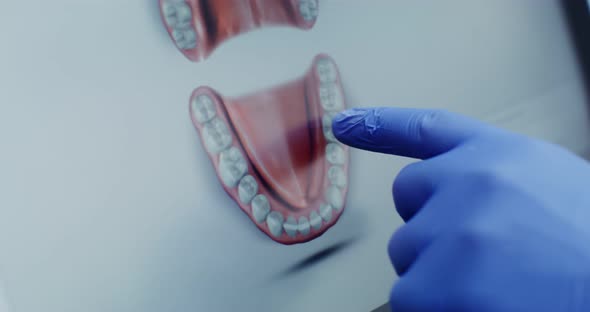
(495, 221)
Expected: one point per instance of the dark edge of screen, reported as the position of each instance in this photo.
(577, 15)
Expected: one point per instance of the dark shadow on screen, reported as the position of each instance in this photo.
(383, 308)
(316, 258)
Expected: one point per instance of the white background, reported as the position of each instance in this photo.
(109, 203)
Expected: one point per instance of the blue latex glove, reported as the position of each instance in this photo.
(495, 221)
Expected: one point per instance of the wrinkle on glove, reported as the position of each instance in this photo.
(404, 132)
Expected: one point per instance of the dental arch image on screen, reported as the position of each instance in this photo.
(112, 201)
(197, 27)
(275, 153)
(273, 150)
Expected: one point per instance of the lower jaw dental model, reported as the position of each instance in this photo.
(197, 27)
(275, 153)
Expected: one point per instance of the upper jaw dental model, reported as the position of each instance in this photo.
(275, 153)
(197, 27)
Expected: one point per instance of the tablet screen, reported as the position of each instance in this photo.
(168, 156)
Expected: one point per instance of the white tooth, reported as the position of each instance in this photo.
(178, 36)
(331, 97)
(183, 14)
(203, 108)
(308, 9)
(315, 220)
(336, 176)
(177, 14)
(290, 226)
(216, 136)
(326, 212)
(303, 226)
(260, 208)
(169, 12)
(327, 127)
(326, 70)
(232, 166)
(247, 189)
(335, 154)
(185, 38)
(190, 39)
(334, 198)
(274, 220)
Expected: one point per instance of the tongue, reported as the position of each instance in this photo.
(276, 133)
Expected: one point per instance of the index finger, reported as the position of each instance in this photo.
(416, 133)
